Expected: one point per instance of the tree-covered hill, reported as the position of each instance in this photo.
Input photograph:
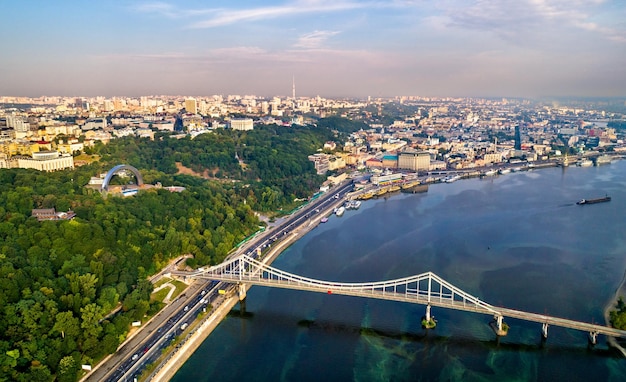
(274, 168)
(60, 279)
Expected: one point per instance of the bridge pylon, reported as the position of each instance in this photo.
(242, 291)
(428, 322)
(500, 328)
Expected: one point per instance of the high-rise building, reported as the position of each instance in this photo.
(191, 105)
(414, 160)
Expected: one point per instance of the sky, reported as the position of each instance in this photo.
(333, 48)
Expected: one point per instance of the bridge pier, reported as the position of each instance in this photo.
(242, 291)
(428, 321)
(242, 298)
(593, 338)
(544, 331)
(500, 328)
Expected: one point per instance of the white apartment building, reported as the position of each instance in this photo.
(44, 161)
(241, 124)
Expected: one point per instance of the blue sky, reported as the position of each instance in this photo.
(334, 48)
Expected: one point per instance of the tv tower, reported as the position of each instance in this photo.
(293, 87)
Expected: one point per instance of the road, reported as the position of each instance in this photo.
(147, 343)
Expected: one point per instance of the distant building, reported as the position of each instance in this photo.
(390, 161)
(45, 161)
(374, 163)
(321, 163)
(336, 163)
(241, 124)
(493, 158)
(95, 124)
(191, 105)
(384, 180)
(414, 160)
(50, 214)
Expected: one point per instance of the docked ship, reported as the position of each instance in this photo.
(585, 163)
(366, 196)
(409, 185)
(324, 220)
(490, 173)
(381, 192)
(593, 201)
(452, 178)
(353, 205)
(393, 189)
(340, 211)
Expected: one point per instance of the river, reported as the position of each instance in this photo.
(517, 240)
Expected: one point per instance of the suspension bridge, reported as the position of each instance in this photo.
(426, 289)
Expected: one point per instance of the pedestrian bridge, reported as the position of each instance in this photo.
(427, 289)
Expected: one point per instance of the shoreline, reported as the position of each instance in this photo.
(620, 291)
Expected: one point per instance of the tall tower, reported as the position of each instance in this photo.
(191, 105)
(293, 87)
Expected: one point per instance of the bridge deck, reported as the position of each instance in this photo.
(411, 296)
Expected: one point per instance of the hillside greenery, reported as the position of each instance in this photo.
(618, 316)
(70, 289)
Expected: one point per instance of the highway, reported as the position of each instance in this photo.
(147, 344)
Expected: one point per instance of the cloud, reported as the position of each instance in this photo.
(516, 20)
(170, 11)
(218, 17)
(314, 39)
(227, 17)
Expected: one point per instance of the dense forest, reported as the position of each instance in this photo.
(269, 163)
(61, 280)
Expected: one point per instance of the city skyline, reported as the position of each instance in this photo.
(342, 48)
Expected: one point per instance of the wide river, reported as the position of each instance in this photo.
(517, 240)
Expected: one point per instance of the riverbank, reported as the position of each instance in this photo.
(620, 291)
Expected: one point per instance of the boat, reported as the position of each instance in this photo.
(366, 196)
(381, 192)
(452, 178)
(324, 220)
(490, 173)
(394, 189)
(352, 204)
(504, 171)
(585, 163)
(340, 211)
(593, 201)
(412, 184)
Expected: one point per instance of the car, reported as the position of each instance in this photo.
(135, 356)
(186, 308)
